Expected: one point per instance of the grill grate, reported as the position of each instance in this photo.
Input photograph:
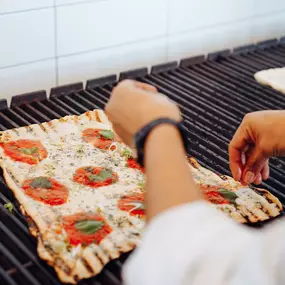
(214, 94)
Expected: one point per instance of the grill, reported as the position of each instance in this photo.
(214, 94)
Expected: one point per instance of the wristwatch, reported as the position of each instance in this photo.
(141, 136)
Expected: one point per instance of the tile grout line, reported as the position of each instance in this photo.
(48, 7)
(166, 36)
(221, 24)
(167, 28)
(56, 44)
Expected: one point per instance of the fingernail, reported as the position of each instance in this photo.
(238, 174)
(249, 177)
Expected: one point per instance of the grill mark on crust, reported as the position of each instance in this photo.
(16, 131)
(59, 262)
(87, 265)
(97, 256)
(76, 119)
(89, 115)
(193, 162)
(43, 128)
(29, 129)
(51, 125)
(105, 253)
(97, 117)
(14, 178)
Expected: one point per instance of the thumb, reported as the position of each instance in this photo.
(254, 164)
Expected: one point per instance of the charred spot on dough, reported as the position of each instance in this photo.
(43, 128)
(16, 131)
(63, 119)
(89, 115)
(97, 116)
(29, 129)
(58, 262)
(194, 162)
(95, 253)
(87, 265)
(223, 177)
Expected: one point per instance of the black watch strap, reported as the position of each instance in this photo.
(141, 136)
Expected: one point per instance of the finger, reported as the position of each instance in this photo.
(255, 163)
(145, 86)
(237, 146)
(265, 170)
(123, 135)
(235, 163)
(258, 179)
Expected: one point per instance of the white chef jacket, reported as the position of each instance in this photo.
(194, 244)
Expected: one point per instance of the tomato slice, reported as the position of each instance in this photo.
(52, 194)
(132, 163)
(134, 204)
(26, 151)
(212, 194)
(97, 138)
(85, 228)
(95, 176)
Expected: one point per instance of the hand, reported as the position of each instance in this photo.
(134, 104)
(260, 136)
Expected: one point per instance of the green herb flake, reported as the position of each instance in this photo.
(28, 151)
(107, 134)
(88, 227)
(41, 182)
(141, 185)
(127, 153)
(80, 150)
(228, 195)
(102, 176)
(9, 207)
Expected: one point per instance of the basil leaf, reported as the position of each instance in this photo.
(28, 151)
(88, 226)
(102, 176)
(138, 205)
(107, 134)
(228, 195)
(41, 182)
(127, 153)
(9, 207)
(106, 174)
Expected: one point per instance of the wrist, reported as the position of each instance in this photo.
(165, 130)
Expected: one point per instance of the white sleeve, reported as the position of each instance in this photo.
(195, 244)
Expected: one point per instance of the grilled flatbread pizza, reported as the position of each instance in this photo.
(83, 192)
(274, 77)
(241, 203)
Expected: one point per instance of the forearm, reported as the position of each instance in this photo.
(169, 181)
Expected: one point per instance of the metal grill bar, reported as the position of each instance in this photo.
(213, 95)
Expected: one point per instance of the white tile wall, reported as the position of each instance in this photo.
(270, 26)
(111, 60)
(185, 15)
(67, 2)
(26, 37)
(8, 6)
(210, 39)
(265, 7)
(27, 78)
(98, 25)
(50, 42)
